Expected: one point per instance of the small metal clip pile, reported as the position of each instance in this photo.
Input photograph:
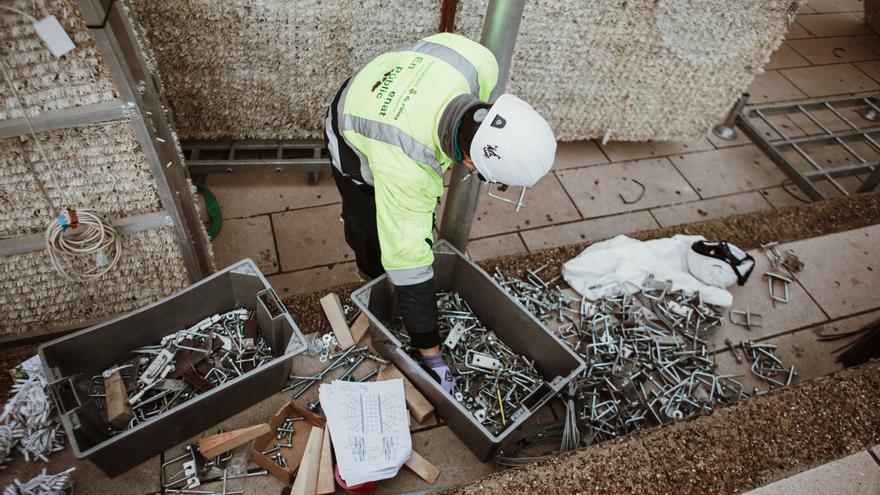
(188, 362)
(647, 360)
(783, 267)
(43, 484)
(766, 365)
(491, 380)
(195, 471)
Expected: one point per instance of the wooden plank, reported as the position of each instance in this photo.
(307, 477)
(418, 405)
(359, 327)
(424, 469)
(333, 309)
(119, 413)
(326, 480)
(214, 445)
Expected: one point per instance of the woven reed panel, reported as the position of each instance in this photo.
(33, 296)
(100, 166)
(47, 83)
(638, 69)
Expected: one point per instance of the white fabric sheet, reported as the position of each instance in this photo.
(621, 264)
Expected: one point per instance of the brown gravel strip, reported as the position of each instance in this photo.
(747, 231)
(731, 450)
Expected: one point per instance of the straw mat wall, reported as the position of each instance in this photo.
(639, 69)
(101, 166)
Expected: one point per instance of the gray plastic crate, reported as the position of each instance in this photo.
(88, 352)
(500, 313)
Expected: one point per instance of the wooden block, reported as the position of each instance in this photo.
(326, 480)
(307, 476)
(119, 413)
(333, 309)
(418, 405)
(214, 445)
(359, 327)
(293, 455)
(424, 469)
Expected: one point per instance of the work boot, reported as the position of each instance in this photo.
(443, 374)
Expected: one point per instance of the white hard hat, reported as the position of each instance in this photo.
(514, 145)
(719, 264)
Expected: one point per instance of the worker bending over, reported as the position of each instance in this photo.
(392, 131)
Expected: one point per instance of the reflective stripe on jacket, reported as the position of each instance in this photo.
(389, 114)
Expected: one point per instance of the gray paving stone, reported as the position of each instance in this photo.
(246, 238)
(311, 237)
(771, 86)
(546, 204)
(698, 211)
(828, 80)
(841, 270)
(799, 312)
(442, 448)
(784, 57)
(732, 170)
(313, 279)
(601, 190)
(588, 230)
(781, 197)
(856, 474)
(244, 195)
(620, 151)
(578, 154)
(834, 24)
(834, 50)
(492, 247)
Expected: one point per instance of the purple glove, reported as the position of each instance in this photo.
(438, 366)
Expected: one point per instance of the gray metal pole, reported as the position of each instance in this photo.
(500, 29)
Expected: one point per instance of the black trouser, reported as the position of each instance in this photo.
(359, 219)
(417, 303)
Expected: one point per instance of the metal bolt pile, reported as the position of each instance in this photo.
(192, 471)
(647, 360)
(188, 362)
(491, 380)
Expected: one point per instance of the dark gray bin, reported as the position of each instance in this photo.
(500, 313)
(90, 351)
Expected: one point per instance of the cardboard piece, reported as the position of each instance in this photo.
(336, 316)
(418, 405)
(214, 445)
(292, 455)
(326, 480)
(307, 476)
(424, 469)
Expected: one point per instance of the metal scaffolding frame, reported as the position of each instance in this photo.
(243, 156)
(796, 155)
(141, 96)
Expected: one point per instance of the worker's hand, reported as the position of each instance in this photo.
(443, 374)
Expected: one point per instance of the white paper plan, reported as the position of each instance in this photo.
(369, 427)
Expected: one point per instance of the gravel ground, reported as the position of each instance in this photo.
(731, 450)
